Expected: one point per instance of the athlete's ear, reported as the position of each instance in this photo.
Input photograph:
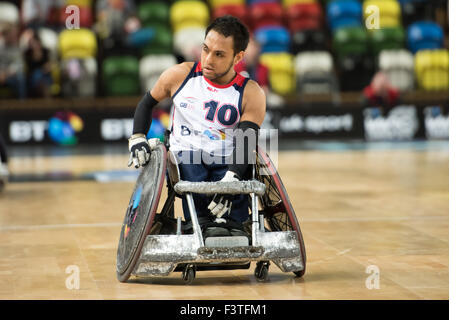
(238, 57)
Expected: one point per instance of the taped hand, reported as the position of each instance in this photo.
(140, 151)
(221, 203)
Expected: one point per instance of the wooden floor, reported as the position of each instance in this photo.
(384, 209)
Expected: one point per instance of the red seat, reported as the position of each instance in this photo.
(266, 13)
(86, 16)
(304, 16)
(237, 10)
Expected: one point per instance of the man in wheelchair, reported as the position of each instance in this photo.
(214, 110)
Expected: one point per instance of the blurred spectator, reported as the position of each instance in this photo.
(115, 18)
(4, 172)
(40, 13)
(251, 66)
(11, 61)
(38, 68)
(380, 92)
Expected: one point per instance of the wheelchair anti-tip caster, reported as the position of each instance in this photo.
(189, 273)
(261, 271)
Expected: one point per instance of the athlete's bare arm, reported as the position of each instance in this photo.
(253, 103)
(170, 80)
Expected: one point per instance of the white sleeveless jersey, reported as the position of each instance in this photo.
(203, 111)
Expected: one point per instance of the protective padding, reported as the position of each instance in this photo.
(189, 13)
(432, 69)
(141, 212)
(77, 43)
(281, 71)
(424, 35)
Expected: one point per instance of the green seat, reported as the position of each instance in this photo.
(121, 76)
(162, 42)
(351, 41)
(387, 38)
(154, 13)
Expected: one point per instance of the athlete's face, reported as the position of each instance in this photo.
(218, 57)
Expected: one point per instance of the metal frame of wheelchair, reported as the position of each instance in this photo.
(275, 232)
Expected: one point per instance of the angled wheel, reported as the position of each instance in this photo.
(276, 206)
(261, 271)
(140, 213)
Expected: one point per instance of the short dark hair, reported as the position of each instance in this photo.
(231, 26)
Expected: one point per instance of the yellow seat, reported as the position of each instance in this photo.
(218, 3)
(77, 43)
(389, 12)
(287, 3)
(79, 3)
(281, 71)
(189, 13)
(432, 69)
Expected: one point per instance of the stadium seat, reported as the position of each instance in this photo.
(288, 3)
(281, 72)
(354, 71)
(432, 69)
(389, 12)
(154, 13)
(189, 13)
(9, 13)
(273, 39)
(218, 3)
(151, 67)
(399, 67)
(315, 73)
(80, 82)
(77, 43)
(304, 16)
(187, 42)
(308, 40)
(79, 3)
(344, 13)
(414, 10)
(387, 38)
(121, 76)
(237, 10)
(351, 40)
(161, 42)
(424, 35)
(266, 14)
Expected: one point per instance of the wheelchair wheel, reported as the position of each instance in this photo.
(140, 213)
(276, 205)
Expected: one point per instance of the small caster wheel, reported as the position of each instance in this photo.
(189, 273)
(299, 274)
(261, 271)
